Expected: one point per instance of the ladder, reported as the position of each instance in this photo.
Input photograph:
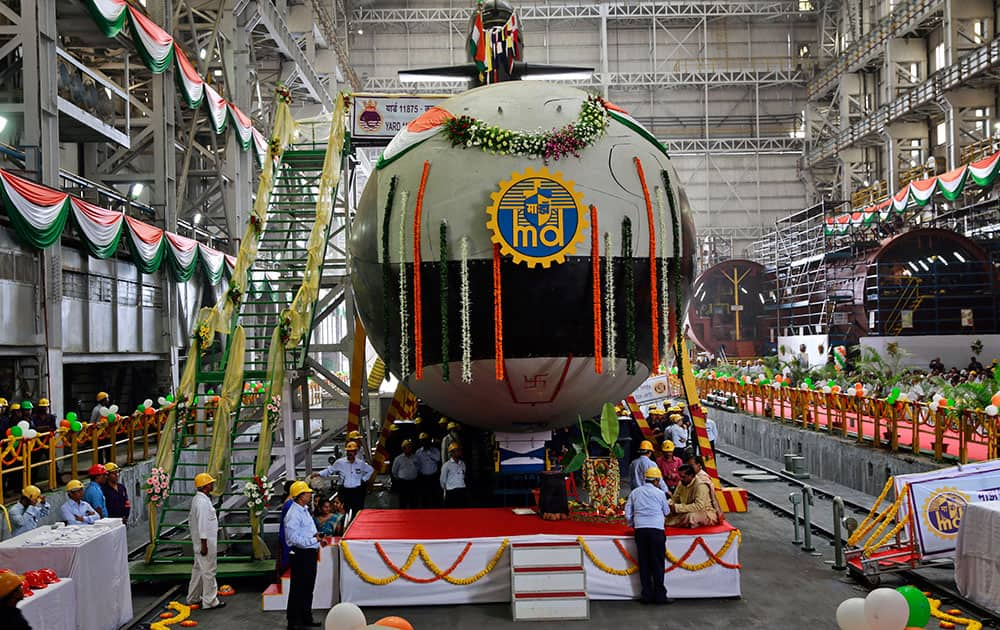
(272, 284)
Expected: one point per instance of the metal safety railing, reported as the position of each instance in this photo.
(921, 428)
(42, 459)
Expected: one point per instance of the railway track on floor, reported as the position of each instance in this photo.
(823, 504)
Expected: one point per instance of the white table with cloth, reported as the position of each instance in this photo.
(51, 608)
(977, 554)
(95, 557)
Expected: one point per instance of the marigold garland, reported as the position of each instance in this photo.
(654, 316)
(443, 289)
(388, 288)
(630, 346)
(876, 539)
(661, 204)
(970, 624)
(871, 518)
(609, 303)
(420, 551)
(595, 283)
(404, 311)
(418, 307)
(467, 132)
(466, 320)
(714, 557)
(497, 313)
(183, 612)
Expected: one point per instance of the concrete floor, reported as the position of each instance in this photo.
(782, 588)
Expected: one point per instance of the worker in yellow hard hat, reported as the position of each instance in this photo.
(103, 400)
(354, 474)
(456, 495)
(303, 541)
(405, 470)
(645, 512)
(451, 437)
(428, 467)
(29, 509)
(677, 433)
(668, 464)
(203, 522)
(642, 463)
(116, 494)
(41, 420)
(76, 511)
(11, 592)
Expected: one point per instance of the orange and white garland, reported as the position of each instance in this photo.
(735, 536)
(420, 551)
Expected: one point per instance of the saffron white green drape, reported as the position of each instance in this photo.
(39, 215)
(158, 49)
(919, 192)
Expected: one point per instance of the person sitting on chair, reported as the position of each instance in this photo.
(694, 503)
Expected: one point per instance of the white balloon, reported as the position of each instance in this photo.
(148, 402)
(886, 609)
(113, 409)
(104, 411)
(161, 401)
(851, 614)
(345, 616)
(827, 389)
(31, 434)
(991, 410)
(25, 425)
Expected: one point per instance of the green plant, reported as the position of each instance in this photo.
(604, 434)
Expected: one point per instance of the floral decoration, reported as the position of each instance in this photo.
(590, 125)
(285, 330)
(157, 486)
(274, 146)
(258, 494)
(235, 293)
(283, 93)
(274, 405)
(204, 337)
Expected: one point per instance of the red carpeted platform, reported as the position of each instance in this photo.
(424, 525)
(431, 557)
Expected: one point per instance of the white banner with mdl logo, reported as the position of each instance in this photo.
(938, 499)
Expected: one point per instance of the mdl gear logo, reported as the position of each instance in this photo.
(943, 511)
(537, 218)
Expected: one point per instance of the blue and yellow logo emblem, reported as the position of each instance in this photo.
(537, 218)
(943, 510)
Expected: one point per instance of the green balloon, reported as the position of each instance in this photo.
(170, 398)
(211, 392)
(71, 416)
(75, 425)
(920, 608)
(141, 408)
(16, 431)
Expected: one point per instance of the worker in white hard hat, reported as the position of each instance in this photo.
(303, 541)
(204, 525)
(30, 508)
(645, 511)
(354, 473)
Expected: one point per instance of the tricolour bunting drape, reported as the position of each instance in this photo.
(919, 192)
(39, 214)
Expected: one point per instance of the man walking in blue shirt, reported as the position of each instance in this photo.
(645, 511)
(303, 540)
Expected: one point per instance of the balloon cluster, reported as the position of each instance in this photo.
(22, 430)
(904, 608)
(166, 401)
(71, 423)
(941, 402)
(347, 616)
(108, 414)
(146, 408)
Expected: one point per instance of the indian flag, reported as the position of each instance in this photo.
(425, 126)
(983, 171)
(952, 183)
(477, 43)
(923, 189)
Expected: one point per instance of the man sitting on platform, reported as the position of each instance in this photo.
(641, 464)
(694, 503)
(76, 511)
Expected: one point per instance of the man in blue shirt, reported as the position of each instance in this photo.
(25, 514)
(303, 540)
(645, 511)
(354, 474)
(76, 511)
(428, 465)
(94, 494)
(638, 468)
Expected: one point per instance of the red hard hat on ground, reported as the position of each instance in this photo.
(97, 469)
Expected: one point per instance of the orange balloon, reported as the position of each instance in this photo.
(394, 622)
(996, 399)
(189, 623)
(166, 615)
